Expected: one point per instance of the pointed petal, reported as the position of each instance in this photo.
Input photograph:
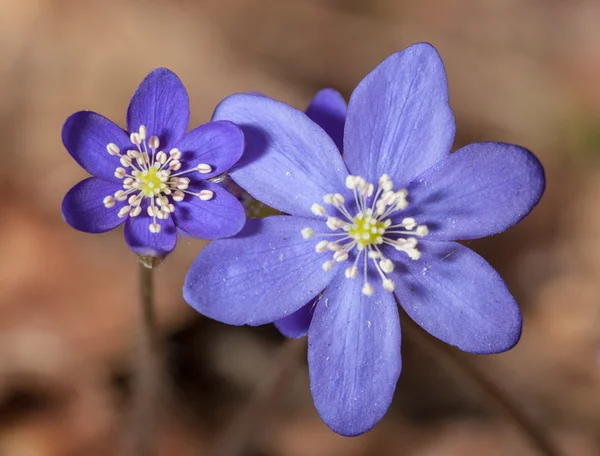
(218, 144)
(328, 110)
(456, 296)
(161, 104)
(296, 325)
(84, 210)
(86, 134)
(353, 355)
(399, 122)
(264, 273)
(481, 189)
(289, 162)
(143, 242)
(221, 216)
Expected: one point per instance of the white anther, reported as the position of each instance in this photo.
(422, 230)
(143, 132)
(340, 255)
(383, 179)
(388, 197)
(171, 208)
(367, 289)
(178, 195)
(334, 223)
(386, 265)
(413, 254)
(409, 223)
(152, 210)
(370, 189)
(205, 195)
(338, 200)
(351, 272)
(387, 185)
(120, 195)
(334, 246)
(307, 232)
(388, 285)
(175, 153)
(175, 165)
(203, 168)
(124, 211)
(374, 254)
(113, 149)
(328, 198)
(125, 161)
(160, 214)
(109, 202)
(161, 157)
(154, 228)
(317, 209)
(351, 182)
(321, 247)
(135, 211)
(135, 138)
(120, 173)
(327, 265)
(154, 142)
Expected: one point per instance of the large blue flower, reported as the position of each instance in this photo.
(154, 178)
(365, 230)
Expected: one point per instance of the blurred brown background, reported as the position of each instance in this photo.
(526, 72)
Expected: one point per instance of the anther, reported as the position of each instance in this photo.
(386, 265)
(175, 153)
(422, 230)
(124, 211)
(307, 232)
(338, 200)
(142, 132)
(161, 157)
(135, 211)
(321, 247)
(205, 195)
(154, 228)
(409, 223)
(109, 202)
(120, 173)
(327, 265)
(317, 209)
(351, 182)
(178, 195)
(340, 255)
(367, 289)
(135, 138)
(204, 168)
(351, 272)
(113, 149)
(388, 285)
(154, 142)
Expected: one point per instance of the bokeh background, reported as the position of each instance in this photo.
(526, 72)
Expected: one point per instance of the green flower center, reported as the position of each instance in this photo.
(149, 182)
(367, 230)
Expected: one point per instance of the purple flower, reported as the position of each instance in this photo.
(153, 178)
(365, 230)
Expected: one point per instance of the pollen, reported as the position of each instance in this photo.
(366, 231)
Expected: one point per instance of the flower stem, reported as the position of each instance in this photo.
(491, 392)
(148, 374)
(237, 436)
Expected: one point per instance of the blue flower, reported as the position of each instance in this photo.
(153, 178)
(365, 230)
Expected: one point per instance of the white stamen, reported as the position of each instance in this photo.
(322, 246)
(154, 142)
(175, 154)
(386, 265)
(368, 289)
(205, 195)
(113, 149)
(317, 209)
(307, 233)
(142, 132)
(109, 202)
(124, 211)
(154, 228)
(135, 211)
(388, 285)
(327, 265)
(340, 255)
(203, 168)
(178, 195)
(351, 272)
(161, 157)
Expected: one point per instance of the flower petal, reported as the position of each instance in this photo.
(86, 134)
(328, 110)
(218, 144)
(84, 210)
(289, 162)
(456, 296)
(221, 216)
(296, 325)
(479, 190)
(264, 273)
(353, 355)
(399, 122)
(161, 104)
(143, 242)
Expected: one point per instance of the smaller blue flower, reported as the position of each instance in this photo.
(154, 177)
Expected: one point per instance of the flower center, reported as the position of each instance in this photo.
(370, 230)
(149, 173)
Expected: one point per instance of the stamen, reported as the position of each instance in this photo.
(113, 149)
(205, 195)
(203, 168)
(307, 233)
